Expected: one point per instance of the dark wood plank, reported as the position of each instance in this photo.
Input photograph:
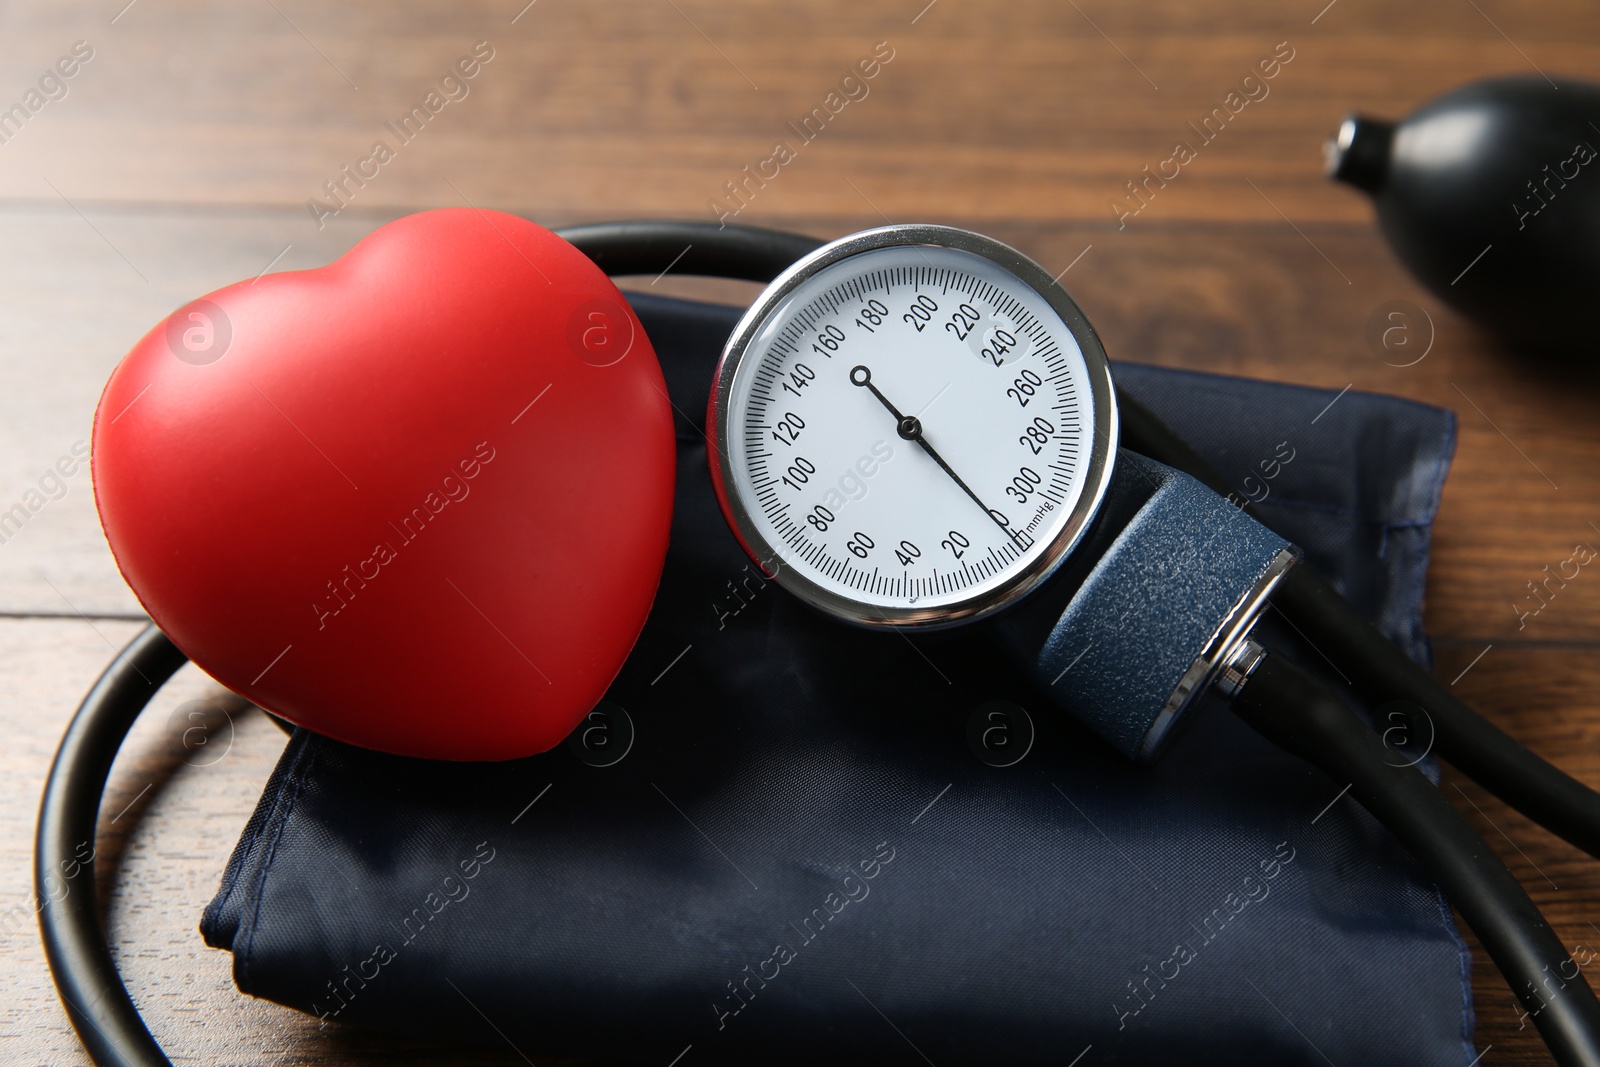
(184, 152)
(1022, 111)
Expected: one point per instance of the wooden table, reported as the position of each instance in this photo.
(184, 152)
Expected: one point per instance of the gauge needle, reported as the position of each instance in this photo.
(909, 427)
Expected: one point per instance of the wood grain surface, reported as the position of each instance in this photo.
(183, 153)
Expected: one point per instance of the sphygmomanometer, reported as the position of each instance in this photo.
(915, 428)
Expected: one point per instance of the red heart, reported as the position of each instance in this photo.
(417, 500)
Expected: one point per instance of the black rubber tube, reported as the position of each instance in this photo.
(1294, 710)
(92, 991)
(1379, 672)
(702, 248)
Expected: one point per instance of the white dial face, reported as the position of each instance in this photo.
(909, 430)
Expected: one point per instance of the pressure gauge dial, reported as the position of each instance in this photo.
(912, 426)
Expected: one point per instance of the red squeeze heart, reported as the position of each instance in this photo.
(416, 500)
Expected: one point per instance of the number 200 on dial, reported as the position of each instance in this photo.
(912, 427)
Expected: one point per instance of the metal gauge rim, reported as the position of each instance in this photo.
(1097, 472)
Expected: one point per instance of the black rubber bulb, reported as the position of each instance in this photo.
(1491, 196)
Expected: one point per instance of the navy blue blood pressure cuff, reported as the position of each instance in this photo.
(781, 839)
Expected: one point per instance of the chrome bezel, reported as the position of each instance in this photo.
(1097, 474)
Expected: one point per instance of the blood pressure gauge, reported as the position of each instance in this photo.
(912, 426)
